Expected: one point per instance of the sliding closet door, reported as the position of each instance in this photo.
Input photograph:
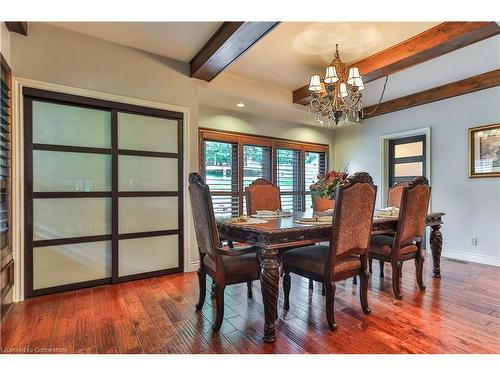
(103, 192)
(149, 208)
(68, 190)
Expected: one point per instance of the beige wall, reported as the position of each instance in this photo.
(472, 206)
(5, 42)
(54, 55)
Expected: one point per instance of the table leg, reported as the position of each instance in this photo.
(436, 241)
(269, 280)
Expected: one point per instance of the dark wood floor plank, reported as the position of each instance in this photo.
(459, 313)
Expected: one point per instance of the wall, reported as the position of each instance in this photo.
(57, 56)
(54, 55)
(5, 42)
(239, 121)
(472, 206)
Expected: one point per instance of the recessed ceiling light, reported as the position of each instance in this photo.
(241, 105)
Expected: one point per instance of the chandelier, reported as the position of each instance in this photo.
(335, 99)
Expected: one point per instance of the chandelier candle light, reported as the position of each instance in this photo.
(336, 100)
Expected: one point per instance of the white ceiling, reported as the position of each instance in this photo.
(293, 51)
(175, 40)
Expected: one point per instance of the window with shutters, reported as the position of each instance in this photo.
(5, 126)
(230, 162)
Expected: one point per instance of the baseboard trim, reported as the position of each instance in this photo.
(476, 258)
(192, 266)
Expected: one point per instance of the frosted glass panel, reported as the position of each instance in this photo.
(147, 254)
(143, 214)
(408, 169)
(69, 125)
(408, 149)
(138, 173)
(146, 133)
(67, 264)
(71, 171)
(71, 217)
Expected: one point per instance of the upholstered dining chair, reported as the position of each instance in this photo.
(395, 193)
(224, 266)
(262, 194)
(347, 253)
(406, 244)
(393, 200)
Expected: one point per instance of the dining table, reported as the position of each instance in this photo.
(280, 233)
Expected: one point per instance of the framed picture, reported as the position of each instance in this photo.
(484, 151)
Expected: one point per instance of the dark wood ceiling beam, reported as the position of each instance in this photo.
(229, 42)
(464, 86)
(18, 27)
(439, 40)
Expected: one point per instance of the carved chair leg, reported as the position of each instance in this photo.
(323, 290)
(202, 279)
(287, 283)
(396, 270)
(370, 261)
(212, 292)
(355, 280)
(381, 264)
(311, 284)
(219, 307)
(249, 289)
(363, 291)
(419, 269)
(330, 297)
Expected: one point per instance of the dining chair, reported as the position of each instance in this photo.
(406, 244)
(394, 194)
(226, 266)
(347, 253)
(262, 194)
(393, 200)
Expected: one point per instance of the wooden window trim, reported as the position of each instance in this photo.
(274, 143)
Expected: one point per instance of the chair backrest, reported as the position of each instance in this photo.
(205, 226)
(413, 211)
(395, 193)
(352, 226)
(262, 195)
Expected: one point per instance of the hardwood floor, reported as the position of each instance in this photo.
(459, 313)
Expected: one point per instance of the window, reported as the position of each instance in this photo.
(6, 256)
(5, 125)
(406, 159)
(230, 162)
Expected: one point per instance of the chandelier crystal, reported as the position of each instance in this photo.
(336, 97)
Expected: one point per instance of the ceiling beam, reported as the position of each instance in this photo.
(18, 27)
(229, 42)
(439, 40)
(464, 86)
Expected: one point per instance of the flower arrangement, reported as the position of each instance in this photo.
(327, 184)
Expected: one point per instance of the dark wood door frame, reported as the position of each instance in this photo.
(31, 94)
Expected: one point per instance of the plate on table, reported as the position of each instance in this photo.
(271, 214)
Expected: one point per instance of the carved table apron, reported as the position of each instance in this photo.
(283, 233)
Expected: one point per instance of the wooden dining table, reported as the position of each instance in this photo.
(284, 232)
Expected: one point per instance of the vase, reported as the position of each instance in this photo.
(323, 204)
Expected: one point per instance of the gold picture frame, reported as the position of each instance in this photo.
(484, 151)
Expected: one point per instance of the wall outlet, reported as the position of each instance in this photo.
(474, 241)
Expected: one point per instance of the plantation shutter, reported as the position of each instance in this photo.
(315, 164)
(288, 176)
(5, 121)
(221, 173)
